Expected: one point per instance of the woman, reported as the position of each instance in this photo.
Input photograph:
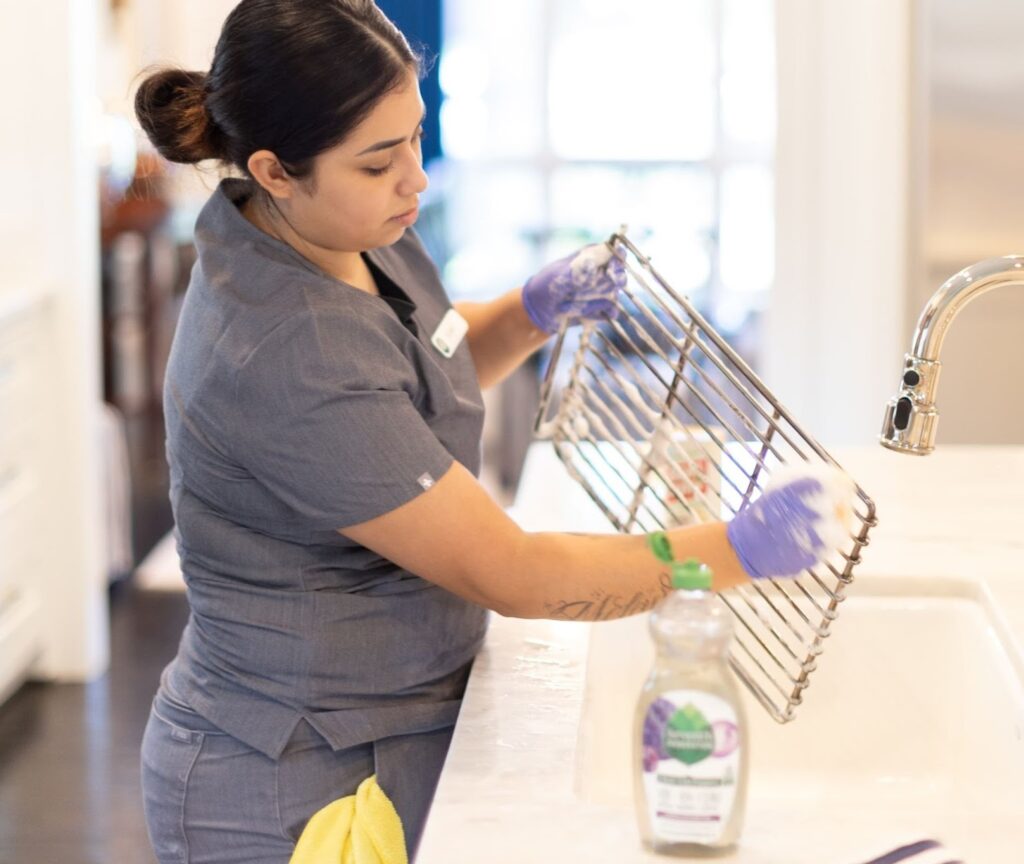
(323, 416)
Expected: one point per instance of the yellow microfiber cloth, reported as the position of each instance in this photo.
(363, 828)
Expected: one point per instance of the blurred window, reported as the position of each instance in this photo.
(657, 114)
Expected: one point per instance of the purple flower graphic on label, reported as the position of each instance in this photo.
(727, 737)
(650, 759)
(654, 732)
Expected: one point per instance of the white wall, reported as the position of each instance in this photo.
(148, 33)
(49, 277)
(49, 234)
(837, 327)
(157, 32)
(49, 238)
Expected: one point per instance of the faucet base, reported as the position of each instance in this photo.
(902, 447)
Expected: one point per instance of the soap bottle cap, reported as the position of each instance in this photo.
(691, 575)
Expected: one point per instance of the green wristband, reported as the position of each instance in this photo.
(660, 546)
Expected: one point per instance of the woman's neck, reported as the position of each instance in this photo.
(347, 267)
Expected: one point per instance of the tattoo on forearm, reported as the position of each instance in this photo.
(606, 607)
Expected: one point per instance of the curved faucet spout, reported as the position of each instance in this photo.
(955, 293)
(911, 417)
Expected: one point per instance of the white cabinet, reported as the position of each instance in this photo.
(20, 492)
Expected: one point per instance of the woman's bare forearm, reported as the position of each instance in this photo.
(597, 577)
(455, 536)
(501, 336)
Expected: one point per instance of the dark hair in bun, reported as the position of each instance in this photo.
(171, 106)
(291, 76)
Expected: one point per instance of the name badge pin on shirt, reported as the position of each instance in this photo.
(449, 333)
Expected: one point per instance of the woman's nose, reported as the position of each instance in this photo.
(415, 179)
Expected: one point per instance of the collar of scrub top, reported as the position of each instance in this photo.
(238, 190)
(401, 303)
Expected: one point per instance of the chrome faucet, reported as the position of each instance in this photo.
(911, 416)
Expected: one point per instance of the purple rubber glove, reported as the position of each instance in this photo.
(582, 286)
(790, 527)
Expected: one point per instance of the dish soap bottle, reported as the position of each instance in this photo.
(690, 754)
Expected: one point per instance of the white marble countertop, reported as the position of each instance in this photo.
(507, 793)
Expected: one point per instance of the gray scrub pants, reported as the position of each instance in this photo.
(210, 799)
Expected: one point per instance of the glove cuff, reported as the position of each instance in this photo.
(734, 532)
(540, 321)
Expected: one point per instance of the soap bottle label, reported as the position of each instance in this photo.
(691, 766)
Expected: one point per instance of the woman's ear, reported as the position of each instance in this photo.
(268, 171)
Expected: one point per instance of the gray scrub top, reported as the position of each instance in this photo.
(296, 405)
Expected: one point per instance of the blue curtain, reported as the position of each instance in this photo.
(420, 21)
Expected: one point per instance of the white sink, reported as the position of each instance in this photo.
(912, 727)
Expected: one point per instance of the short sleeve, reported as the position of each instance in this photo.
(328, 423)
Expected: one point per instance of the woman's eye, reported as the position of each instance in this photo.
(377, 172)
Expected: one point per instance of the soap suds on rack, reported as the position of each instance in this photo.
(588, 260)
(832, 506)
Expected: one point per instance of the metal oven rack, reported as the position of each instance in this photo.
(663, 424)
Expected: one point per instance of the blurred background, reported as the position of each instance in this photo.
(808, 172)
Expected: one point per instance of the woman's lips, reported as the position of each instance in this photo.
(406, 218)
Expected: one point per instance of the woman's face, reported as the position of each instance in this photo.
(365, 190)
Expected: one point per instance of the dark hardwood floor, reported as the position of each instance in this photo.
(69, 754)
